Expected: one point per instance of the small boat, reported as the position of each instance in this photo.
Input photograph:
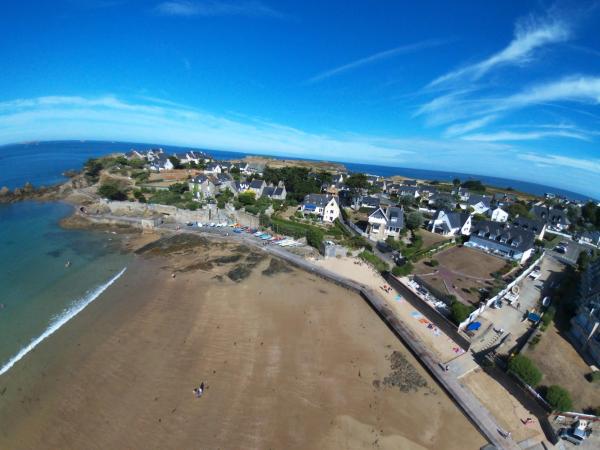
(68, 264)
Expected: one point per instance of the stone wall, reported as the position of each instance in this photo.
(172, 214)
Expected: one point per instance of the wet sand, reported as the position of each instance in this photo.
(291, 361)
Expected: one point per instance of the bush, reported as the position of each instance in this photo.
(594, 377)
(139, 196)
(433, 263)
(525, 369)
(459, 312)
(247, 198)
(559, 398)
(112, 192)
(403, 270)
(548, 317)
(314, 238)
(374, 260)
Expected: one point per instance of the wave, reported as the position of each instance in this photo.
(59, 320)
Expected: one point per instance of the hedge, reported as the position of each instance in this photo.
(525, 369)
(559, 398)
(374, 260)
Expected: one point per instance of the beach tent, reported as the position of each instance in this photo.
(474, 326)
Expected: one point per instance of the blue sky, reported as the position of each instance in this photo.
(509, 89)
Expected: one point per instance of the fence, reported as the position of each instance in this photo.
(501, 294)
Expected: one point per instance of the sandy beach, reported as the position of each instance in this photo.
(290, 361)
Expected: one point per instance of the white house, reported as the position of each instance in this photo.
(450, 223)
(497, 214)
(275, 192)
(502, 239)
(480, 203)
(213, 168)
(386, 223)
(160, 163)
(257, 187)
(324, 206)
(201, 186)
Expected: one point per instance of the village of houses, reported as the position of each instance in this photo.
(503, 287)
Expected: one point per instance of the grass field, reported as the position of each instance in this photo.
(462, 271)
(561, 364)
(430, 238)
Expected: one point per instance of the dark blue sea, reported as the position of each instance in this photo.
(43, 163)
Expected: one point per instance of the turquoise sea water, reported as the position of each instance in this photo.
(37, 292)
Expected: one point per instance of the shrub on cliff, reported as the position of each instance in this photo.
(111, 191)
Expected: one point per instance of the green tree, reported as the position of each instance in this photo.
(459, 312)
(518, 209)
(414, 220)
(314, 238)
(139, 196)
(179, 188)
(92, 169)
(247, 198)
(456, 182)
(474, 185)
(583, 261)
(559, 398)
(525, 369)
(111, 191)
(176, 162)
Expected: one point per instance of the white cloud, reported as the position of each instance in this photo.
(401, 50)
(462, 128)
(189, 8)
(524, 136)
(529, 36)
(588, 165)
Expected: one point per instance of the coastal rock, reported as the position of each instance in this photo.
(404, 375)
(4, 191)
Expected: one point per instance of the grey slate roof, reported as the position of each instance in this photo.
(504, 234)
(475, 198)
(395, 217)
(456, 219)
(319, 200)
(257, 184)
(372, 202)
(409, 182)
(552, 216)
(268, 191)
(529, 224)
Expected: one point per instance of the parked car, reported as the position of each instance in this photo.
(560, 249)
(574, 436)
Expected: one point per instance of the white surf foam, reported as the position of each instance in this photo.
(59, 320)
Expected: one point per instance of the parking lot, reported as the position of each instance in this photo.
(511, 318)
(572, 251)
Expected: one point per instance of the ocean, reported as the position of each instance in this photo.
(38, 293)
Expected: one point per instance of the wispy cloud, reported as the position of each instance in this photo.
(462, 128)
(401, 50)
(524, 136)
(459, 105)
(530, 35)
(590, 165)
(189, 8)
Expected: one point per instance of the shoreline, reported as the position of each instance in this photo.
(212, 333)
